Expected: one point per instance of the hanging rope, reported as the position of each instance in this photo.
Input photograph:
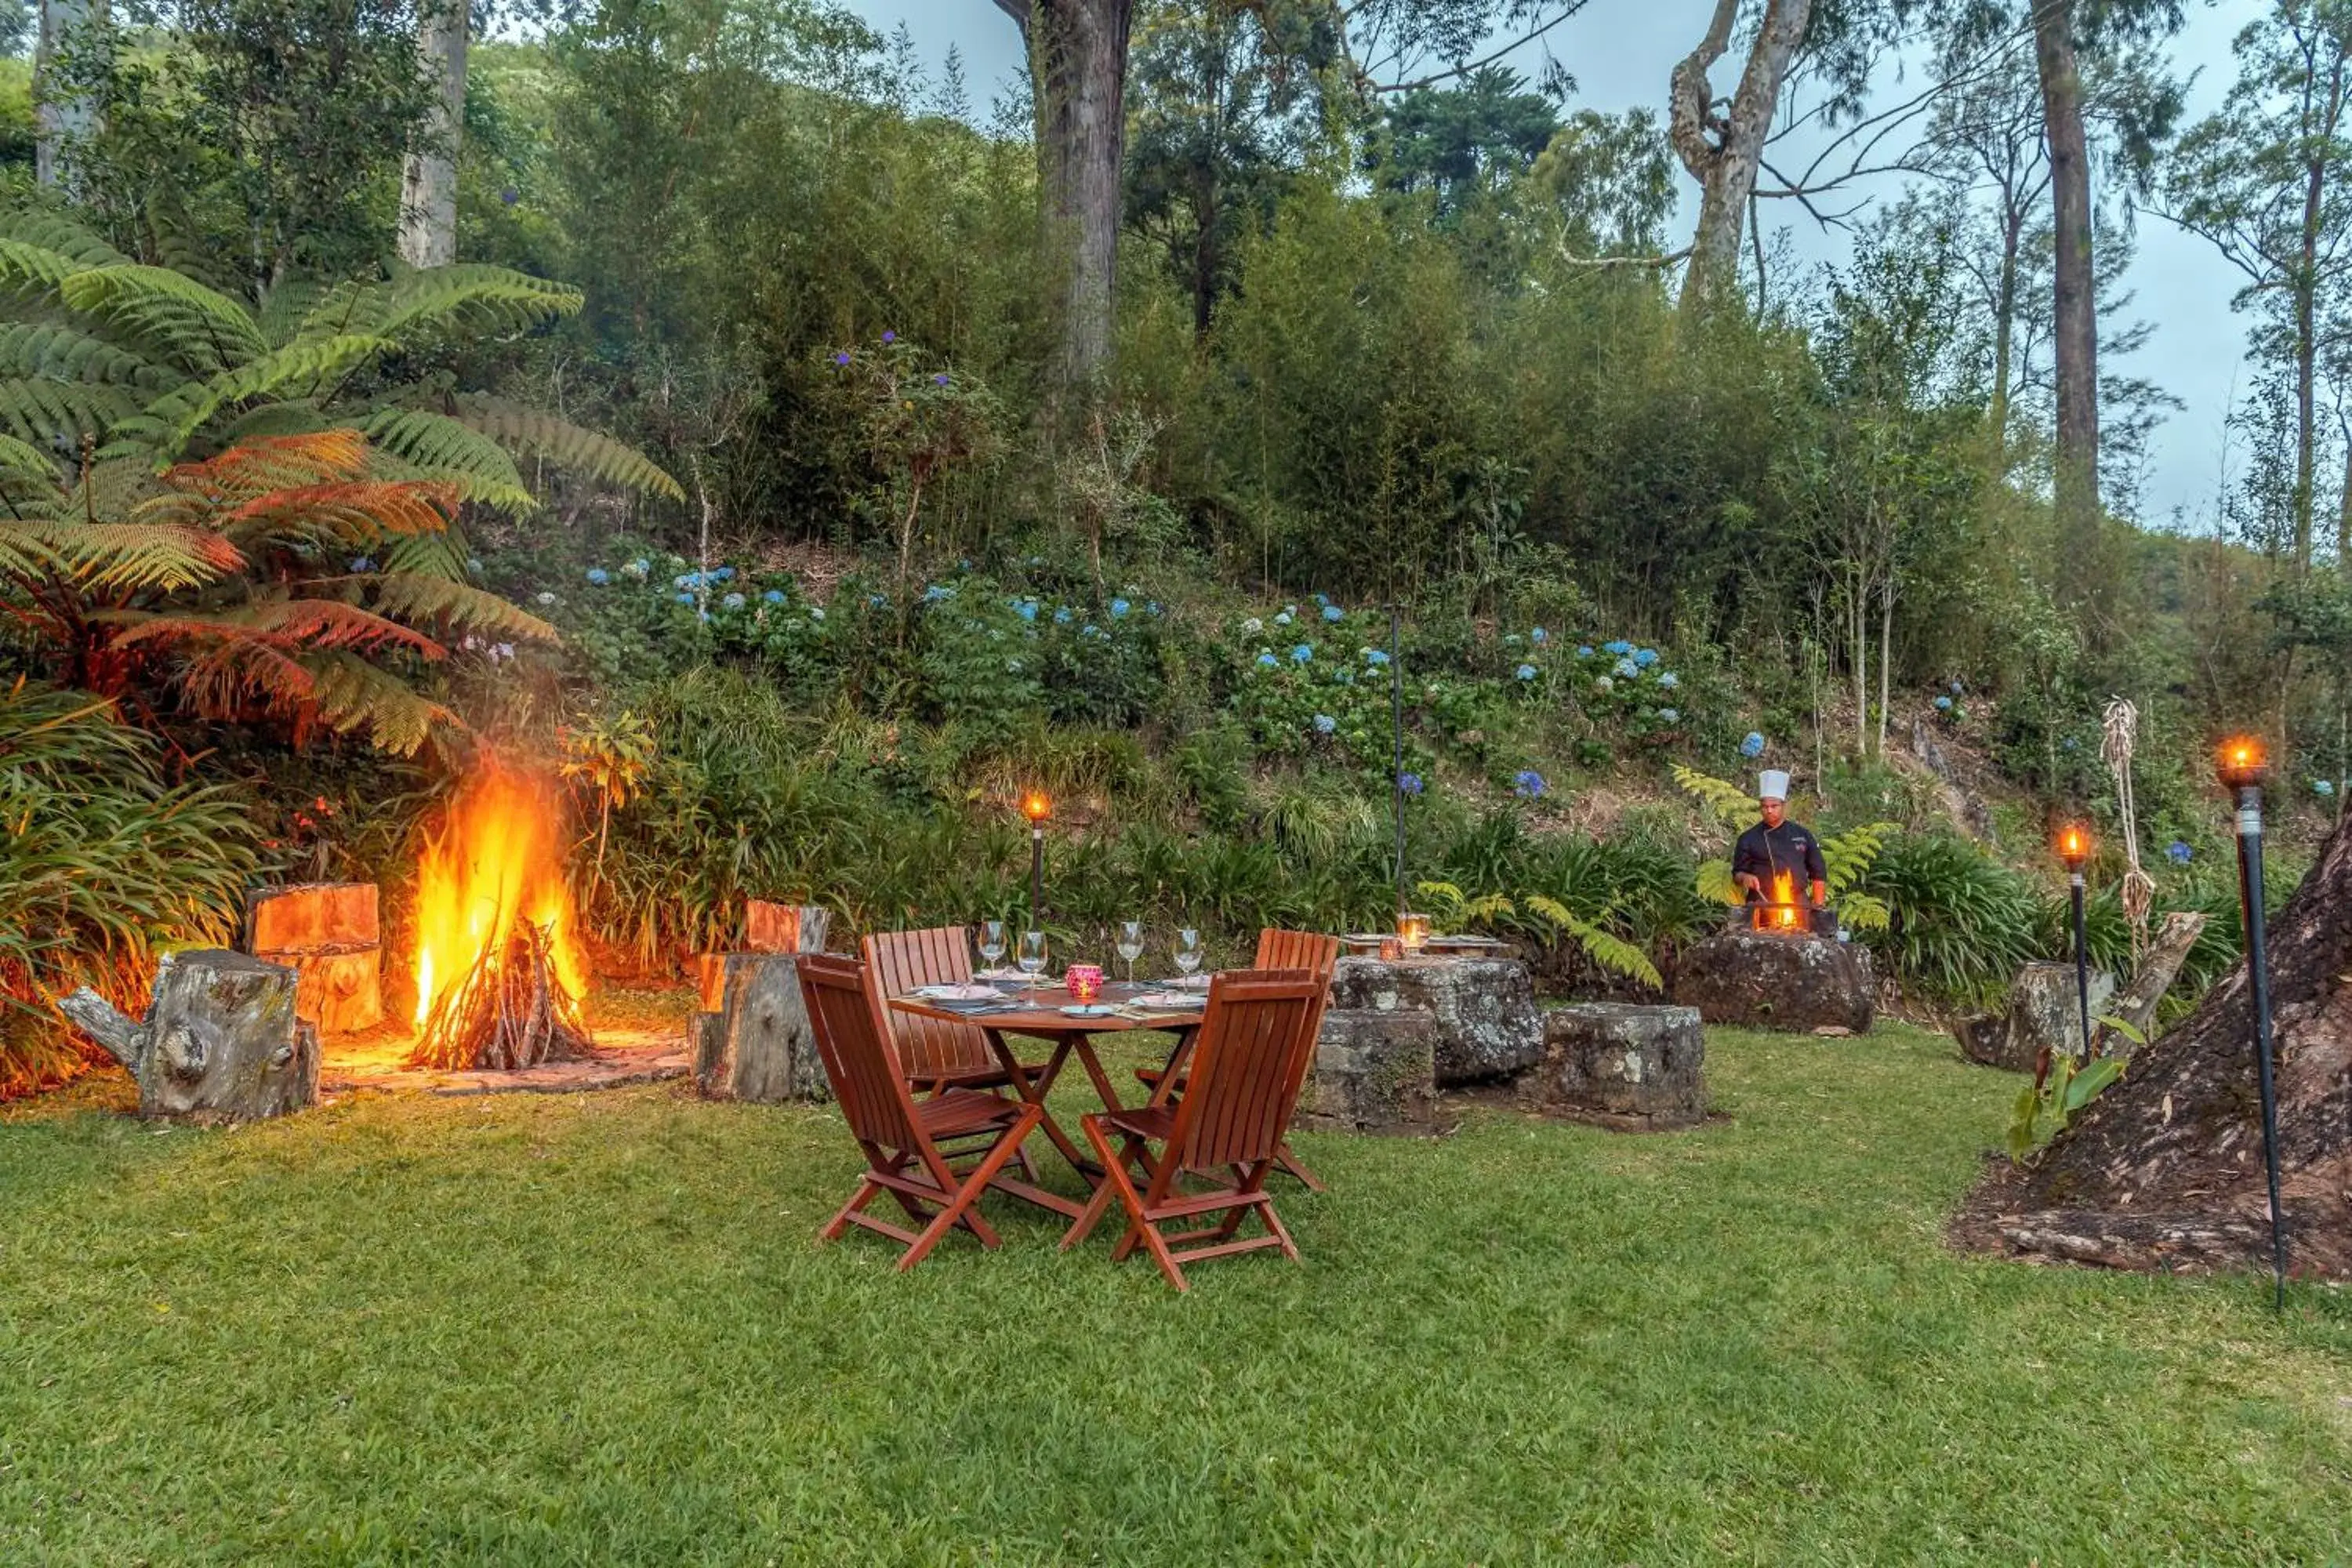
(2121, 729)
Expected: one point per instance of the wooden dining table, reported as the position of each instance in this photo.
(1038, 1012)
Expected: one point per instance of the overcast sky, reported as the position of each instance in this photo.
(1620, 51)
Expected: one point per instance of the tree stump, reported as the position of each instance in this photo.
(1374, 1072)
(1488, 1025)
(759, 1046)
(2158, 970)
(1623, 1066)
(327, 933)
(2165, 1169)
(2044, 1014)
(1765, 979)
(221, 1040)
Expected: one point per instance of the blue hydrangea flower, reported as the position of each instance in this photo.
(1268, 661)
(1252, 626)
(1753, 746)
(816, 612)
(1118, 607)
(2071, 743)
(1376, 655)
(1152, 608)
(721, 573)
(639, 568)
(937, 592)
(1322, 598)
(1645, 656)
(1283, 619)
(686, 598)
(362, 563)
(1334, 613)
(2325, 789)
(685, 580)
(731, 602)
(1526, 672)
(1528, 783)
(1062, 617)
(1669, 680)
(1943, 705)
(1670, 716)
(876, 601)
(1584, 650)
(1325, 723)
(1026, 608)
(2177, 852)
(1604, 686)
(598, 576)
(773, 595)
(1539, 637)
(1956, 688)
(1619, 647)
(1090, 630)
(1628, 670)
(1301, 654)
(1344, 676)
(1409, 783)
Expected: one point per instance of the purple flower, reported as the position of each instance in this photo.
(1409, 783)
(940, 379)
(509, 195)
(889, 337)
(1527, 784)
(841, 358)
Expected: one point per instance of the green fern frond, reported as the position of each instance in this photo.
(195, 327)
(441, 446)
(16, 458)
(1716, 885)
(441, 555)
(58, 350)
(1851, 854)
(470, 298)
(295, 416)
(413, 598)
(1726, 800)
(287, 306)
(1861, 911)
(27, 268)
(52, 231)
(352, 696)
(59, 413)
(185, 409)
(567, 445)
(1611, 952)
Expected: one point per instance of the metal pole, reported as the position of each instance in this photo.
(2082, 966)
(1396, 748)
(2250, 903)
(1037, 876)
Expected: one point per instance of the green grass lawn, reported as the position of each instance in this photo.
(595, 1329)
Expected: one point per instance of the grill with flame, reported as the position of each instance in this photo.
(1784, 913)
(499, 975)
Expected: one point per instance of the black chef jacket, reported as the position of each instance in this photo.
(1764, 852)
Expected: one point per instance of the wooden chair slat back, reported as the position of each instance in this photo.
(1247, 1067)
(900, 961)
(1310, 950)
(859, 1057)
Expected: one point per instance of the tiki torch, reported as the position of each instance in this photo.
(2075, 849)
(1396, 750)
(1036, 808)
(2245, 767)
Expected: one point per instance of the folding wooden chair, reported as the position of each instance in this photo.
(898, 1133)
(936, 1054)
(1276, 949)
(1248, 1063)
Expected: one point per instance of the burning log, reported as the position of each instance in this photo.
(509, 1011)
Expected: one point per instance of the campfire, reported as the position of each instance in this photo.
(498, 972)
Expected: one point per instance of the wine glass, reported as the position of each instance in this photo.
(991, 944)
(1131, 945)
(1188, 951)
(1032, 955)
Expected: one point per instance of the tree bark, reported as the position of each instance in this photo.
(1077, 66)
(2165, 1169)
(56, 119)
(428, 184)
(1723, 153)
(2074, 305)
(2004, 327)
(221, 1041)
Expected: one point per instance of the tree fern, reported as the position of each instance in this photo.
(417, 597)
(306, 366)
(1613, 953)
(27, 269)
(59, 413)
(58, 350)
(352, 696)
(441, 446)
(1725, 800)
(567, 445)
(200, 329)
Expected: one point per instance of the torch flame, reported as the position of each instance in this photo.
(497, 859)
(1780, 913)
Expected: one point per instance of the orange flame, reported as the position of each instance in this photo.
(1780, 913)
(498, 859)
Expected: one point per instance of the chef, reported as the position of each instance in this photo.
(1776, 847)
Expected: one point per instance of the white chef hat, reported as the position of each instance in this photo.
(1773, 785)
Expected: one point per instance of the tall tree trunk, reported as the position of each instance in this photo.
(2307, 356)
(2074, 314)
(1723, 153)
(1077, 64)
(1858, 621)
(428, 182)
(1886, 655)
(2004, 327)
(57, 119)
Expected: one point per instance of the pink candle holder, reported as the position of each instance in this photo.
(1084, 980)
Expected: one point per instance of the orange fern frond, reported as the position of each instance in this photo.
(292, 625)
(264, 463)
(131, 557)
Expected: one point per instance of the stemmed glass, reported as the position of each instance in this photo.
(991, 944)
(1131, 945)
(1032, 955)
(1188, 951)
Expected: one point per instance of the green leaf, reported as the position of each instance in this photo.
(176, 316)
(566, 444)
(442, 448)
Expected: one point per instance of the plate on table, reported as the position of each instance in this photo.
(949, 992)
(1190, 983)
(1171, 1001)
(1001, 975)
(1089, 1010)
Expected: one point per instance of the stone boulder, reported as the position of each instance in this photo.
(1488, 1025)
(1374, 1072)
(2044, 1013)
(1763, 979)
(1623, 1065)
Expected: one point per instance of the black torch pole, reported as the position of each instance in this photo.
(2081, 965)
(1396, 745)
(1037, 876)
(2250, 903)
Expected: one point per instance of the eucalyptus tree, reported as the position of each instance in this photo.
(428, 184)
